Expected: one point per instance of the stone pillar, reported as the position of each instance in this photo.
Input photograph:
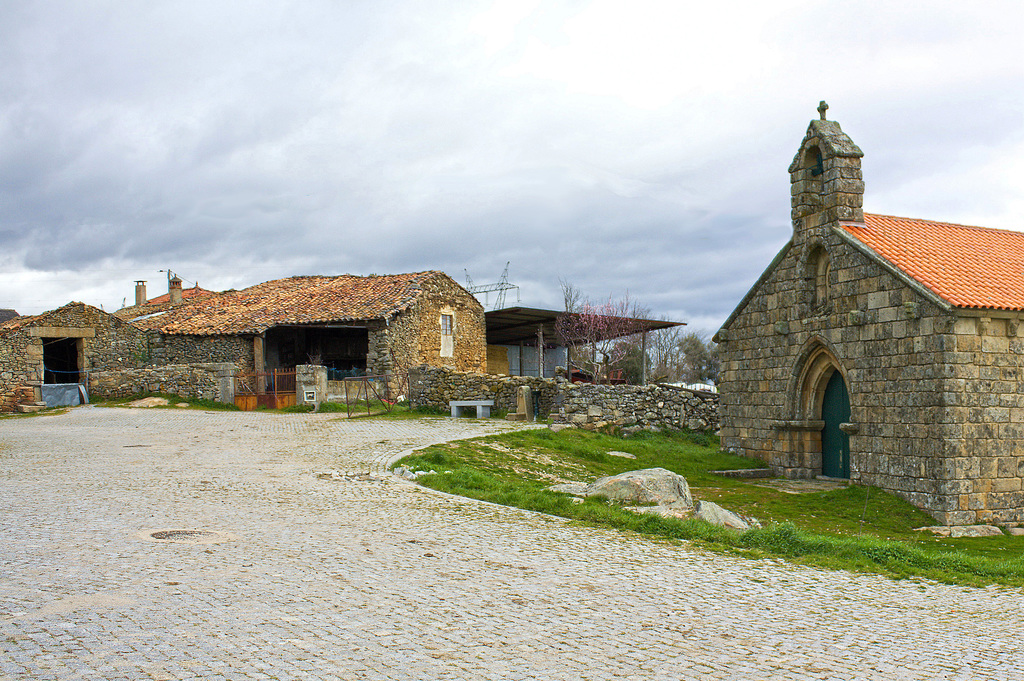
(259, 363)
(524, 402)
(310, 384)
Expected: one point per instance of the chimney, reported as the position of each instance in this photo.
(174, 290)
(140, 292)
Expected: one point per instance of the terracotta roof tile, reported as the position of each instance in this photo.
(966, 266)
(295, 300)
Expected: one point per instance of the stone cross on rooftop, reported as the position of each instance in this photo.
(822, 108)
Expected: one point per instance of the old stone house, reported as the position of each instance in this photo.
(62, 346)
(881, 349)
(373, 324)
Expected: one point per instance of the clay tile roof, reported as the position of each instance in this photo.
(295, 300)
(966, 266)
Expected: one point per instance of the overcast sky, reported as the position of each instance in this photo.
(621, 146)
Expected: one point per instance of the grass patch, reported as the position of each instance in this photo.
(292, 409)
(850, 528)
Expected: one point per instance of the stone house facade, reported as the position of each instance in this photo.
(63, 346)
(880, 349)
(352, 324)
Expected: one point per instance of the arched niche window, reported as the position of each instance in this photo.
(819, 270)
(814, 165)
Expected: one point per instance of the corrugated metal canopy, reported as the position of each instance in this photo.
(514, 325)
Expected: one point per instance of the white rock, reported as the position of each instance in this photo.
(711, 512)
(575, 488)
(650, 485)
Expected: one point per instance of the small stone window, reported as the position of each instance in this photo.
(821, 270)
(447, 324)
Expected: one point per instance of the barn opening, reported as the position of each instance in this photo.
(341, 348)
(60, 360)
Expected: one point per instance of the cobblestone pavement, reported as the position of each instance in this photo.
(380, 579)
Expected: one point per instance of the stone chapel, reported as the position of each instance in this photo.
(884, 350)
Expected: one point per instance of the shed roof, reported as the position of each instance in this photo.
(290, 301)
(970, 267)
(513, 325)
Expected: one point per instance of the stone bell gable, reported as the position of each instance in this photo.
(883, 350)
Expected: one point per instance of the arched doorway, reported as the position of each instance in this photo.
(835, 444)
(821, 401)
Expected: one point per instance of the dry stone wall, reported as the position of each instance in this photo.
(630, 408)
(633, 407)
(435, 387)
(213, 381)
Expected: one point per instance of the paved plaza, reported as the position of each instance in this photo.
(376, 578)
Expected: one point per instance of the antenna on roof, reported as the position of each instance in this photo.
(501, 287)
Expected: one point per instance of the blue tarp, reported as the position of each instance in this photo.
(64, 394)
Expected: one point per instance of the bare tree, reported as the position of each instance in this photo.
(594, 332)
(699, 359)
(663, 348)
(572, 296)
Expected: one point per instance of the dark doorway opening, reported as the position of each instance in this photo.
(341, 348)
(60, 360)
(835, 444)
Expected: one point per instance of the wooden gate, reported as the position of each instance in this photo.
(268, 389)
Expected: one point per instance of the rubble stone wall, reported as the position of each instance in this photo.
(212, 381)
(413, 337)
(435, 387)
(180, 349)
(583, 405)
(634, 407)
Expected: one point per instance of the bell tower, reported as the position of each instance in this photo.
(826, 184)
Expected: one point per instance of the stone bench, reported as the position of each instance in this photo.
(483, 407)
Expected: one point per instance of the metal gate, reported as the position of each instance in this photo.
(268, 389)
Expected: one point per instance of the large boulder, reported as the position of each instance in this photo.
(647, 486)
(711, 512)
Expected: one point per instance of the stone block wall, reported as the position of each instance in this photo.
(578, 404)
(890, 345)
(983, 399)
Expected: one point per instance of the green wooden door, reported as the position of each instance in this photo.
(835, 444)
